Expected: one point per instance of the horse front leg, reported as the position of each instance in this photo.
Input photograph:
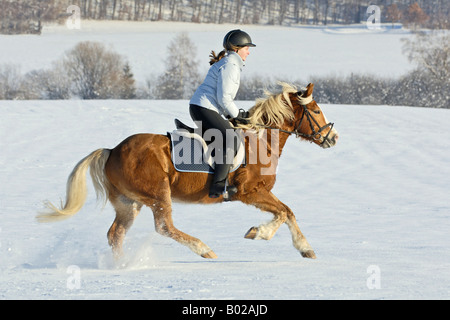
(282, 214)
(298, 239)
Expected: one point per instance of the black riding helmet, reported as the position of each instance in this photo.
(237, 38)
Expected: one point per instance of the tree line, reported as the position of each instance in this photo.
(28, 16)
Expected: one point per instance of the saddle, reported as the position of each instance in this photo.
(191, 153)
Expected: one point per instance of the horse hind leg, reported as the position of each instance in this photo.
(162, 212)
(126, 211)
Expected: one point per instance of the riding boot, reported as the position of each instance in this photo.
(219, 183)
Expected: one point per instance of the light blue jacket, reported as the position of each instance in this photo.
(220, 86)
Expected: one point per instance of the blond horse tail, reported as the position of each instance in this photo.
(76, 191)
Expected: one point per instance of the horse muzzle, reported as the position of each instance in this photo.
(330, 139)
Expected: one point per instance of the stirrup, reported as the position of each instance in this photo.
(217, 189)
(230, 191)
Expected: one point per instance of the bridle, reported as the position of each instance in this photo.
(315, 135)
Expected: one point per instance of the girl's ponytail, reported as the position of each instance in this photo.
(215, 58)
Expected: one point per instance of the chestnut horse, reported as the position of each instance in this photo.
(139, 171)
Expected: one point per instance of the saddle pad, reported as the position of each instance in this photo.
(190, 153)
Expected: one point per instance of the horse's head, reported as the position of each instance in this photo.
(293, 112)
(310, 122)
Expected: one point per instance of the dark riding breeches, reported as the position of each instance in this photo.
(210, 119)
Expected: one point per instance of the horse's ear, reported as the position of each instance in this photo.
(306, 92)
(309, 89)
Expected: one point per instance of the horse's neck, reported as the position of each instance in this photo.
(276, 139)
(264, 150)
(271, 140)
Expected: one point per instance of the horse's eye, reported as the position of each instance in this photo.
(316, 111)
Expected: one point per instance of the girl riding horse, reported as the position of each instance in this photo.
(213, 100)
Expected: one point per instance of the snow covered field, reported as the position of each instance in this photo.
(286, 53)
(377, 202)
(375, 208)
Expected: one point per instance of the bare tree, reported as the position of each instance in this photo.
(10, 82)
(27, 16)
(393, 13)
(415, 16)
(181, 76)
(431, 53)
(52, 84)
(98, 73)
(160, 10)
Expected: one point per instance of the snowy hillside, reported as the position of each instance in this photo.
(286, 53)
(375, 208)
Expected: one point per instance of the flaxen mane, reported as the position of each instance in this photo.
(273, 109)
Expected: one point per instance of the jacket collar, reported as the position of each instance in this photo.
(236, 58)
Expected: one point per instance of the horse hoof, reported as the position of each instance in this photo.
(209, 255)
(309, 254)
(251, 234)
